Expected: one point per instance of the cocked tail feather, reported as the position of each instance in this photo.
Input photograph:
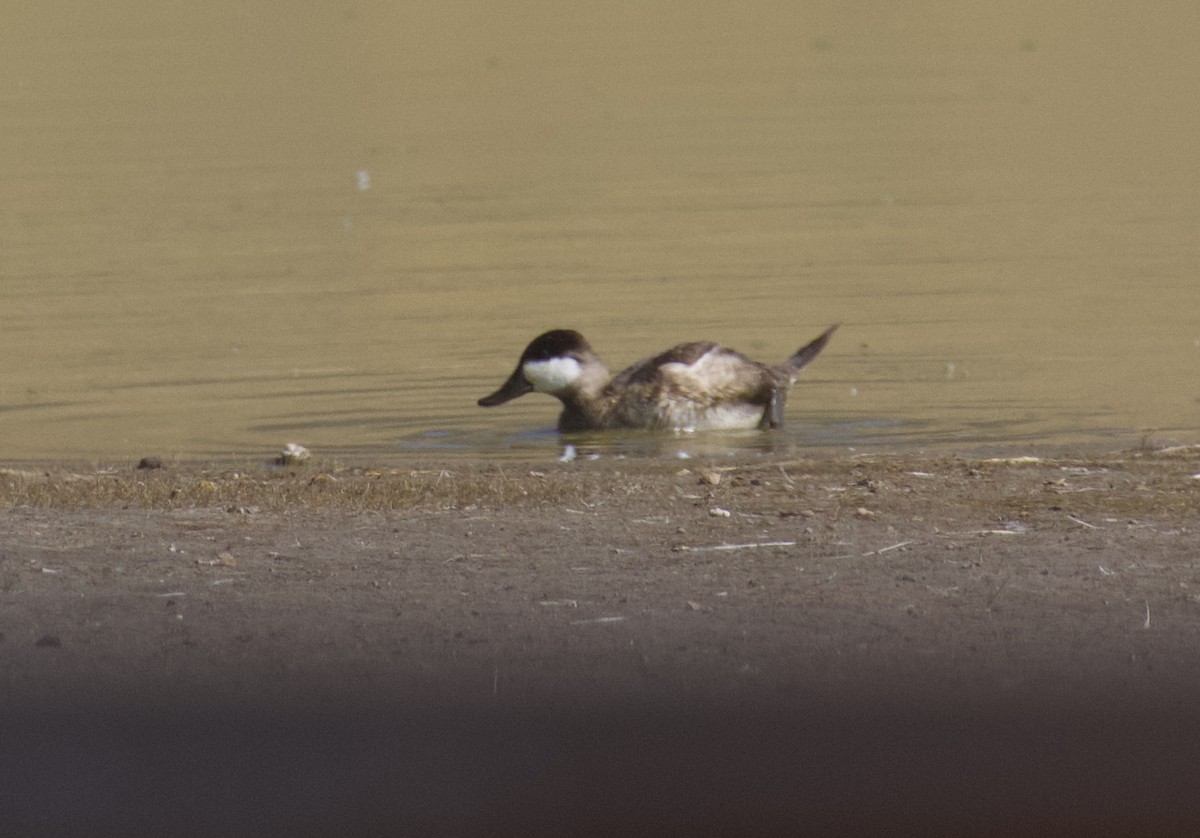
(805, 354)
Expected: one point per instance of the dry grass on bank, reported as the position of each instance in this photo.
(1134, 484)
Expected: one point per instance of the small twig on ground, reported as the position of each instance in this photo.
(1083, 523)
(896, 546)
(1146, 625)
(597, 620)
(979, 532)
(750, 546)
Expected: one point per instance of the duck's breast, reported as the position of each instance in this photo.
(719, 417)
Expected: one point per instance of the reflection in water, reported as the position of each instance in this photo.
(224, 230)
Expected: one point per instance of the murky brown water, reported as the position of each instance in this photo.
(223, 229)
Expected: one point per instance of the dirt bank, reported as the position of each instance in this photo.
(620, 646)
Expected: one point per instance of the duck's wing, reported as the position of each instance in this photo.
(703, 372)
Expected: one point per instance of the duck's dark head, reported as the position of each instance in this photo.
(551, 363)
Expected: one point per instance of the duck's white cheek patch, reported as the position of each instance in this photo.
(552, 375)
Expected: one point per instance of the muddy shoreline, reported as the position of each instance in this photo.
(950, 645)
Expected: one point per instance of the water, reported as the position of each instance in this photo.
(225, 229)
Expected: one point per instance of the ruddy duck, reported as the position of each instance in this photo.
(693, 386)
